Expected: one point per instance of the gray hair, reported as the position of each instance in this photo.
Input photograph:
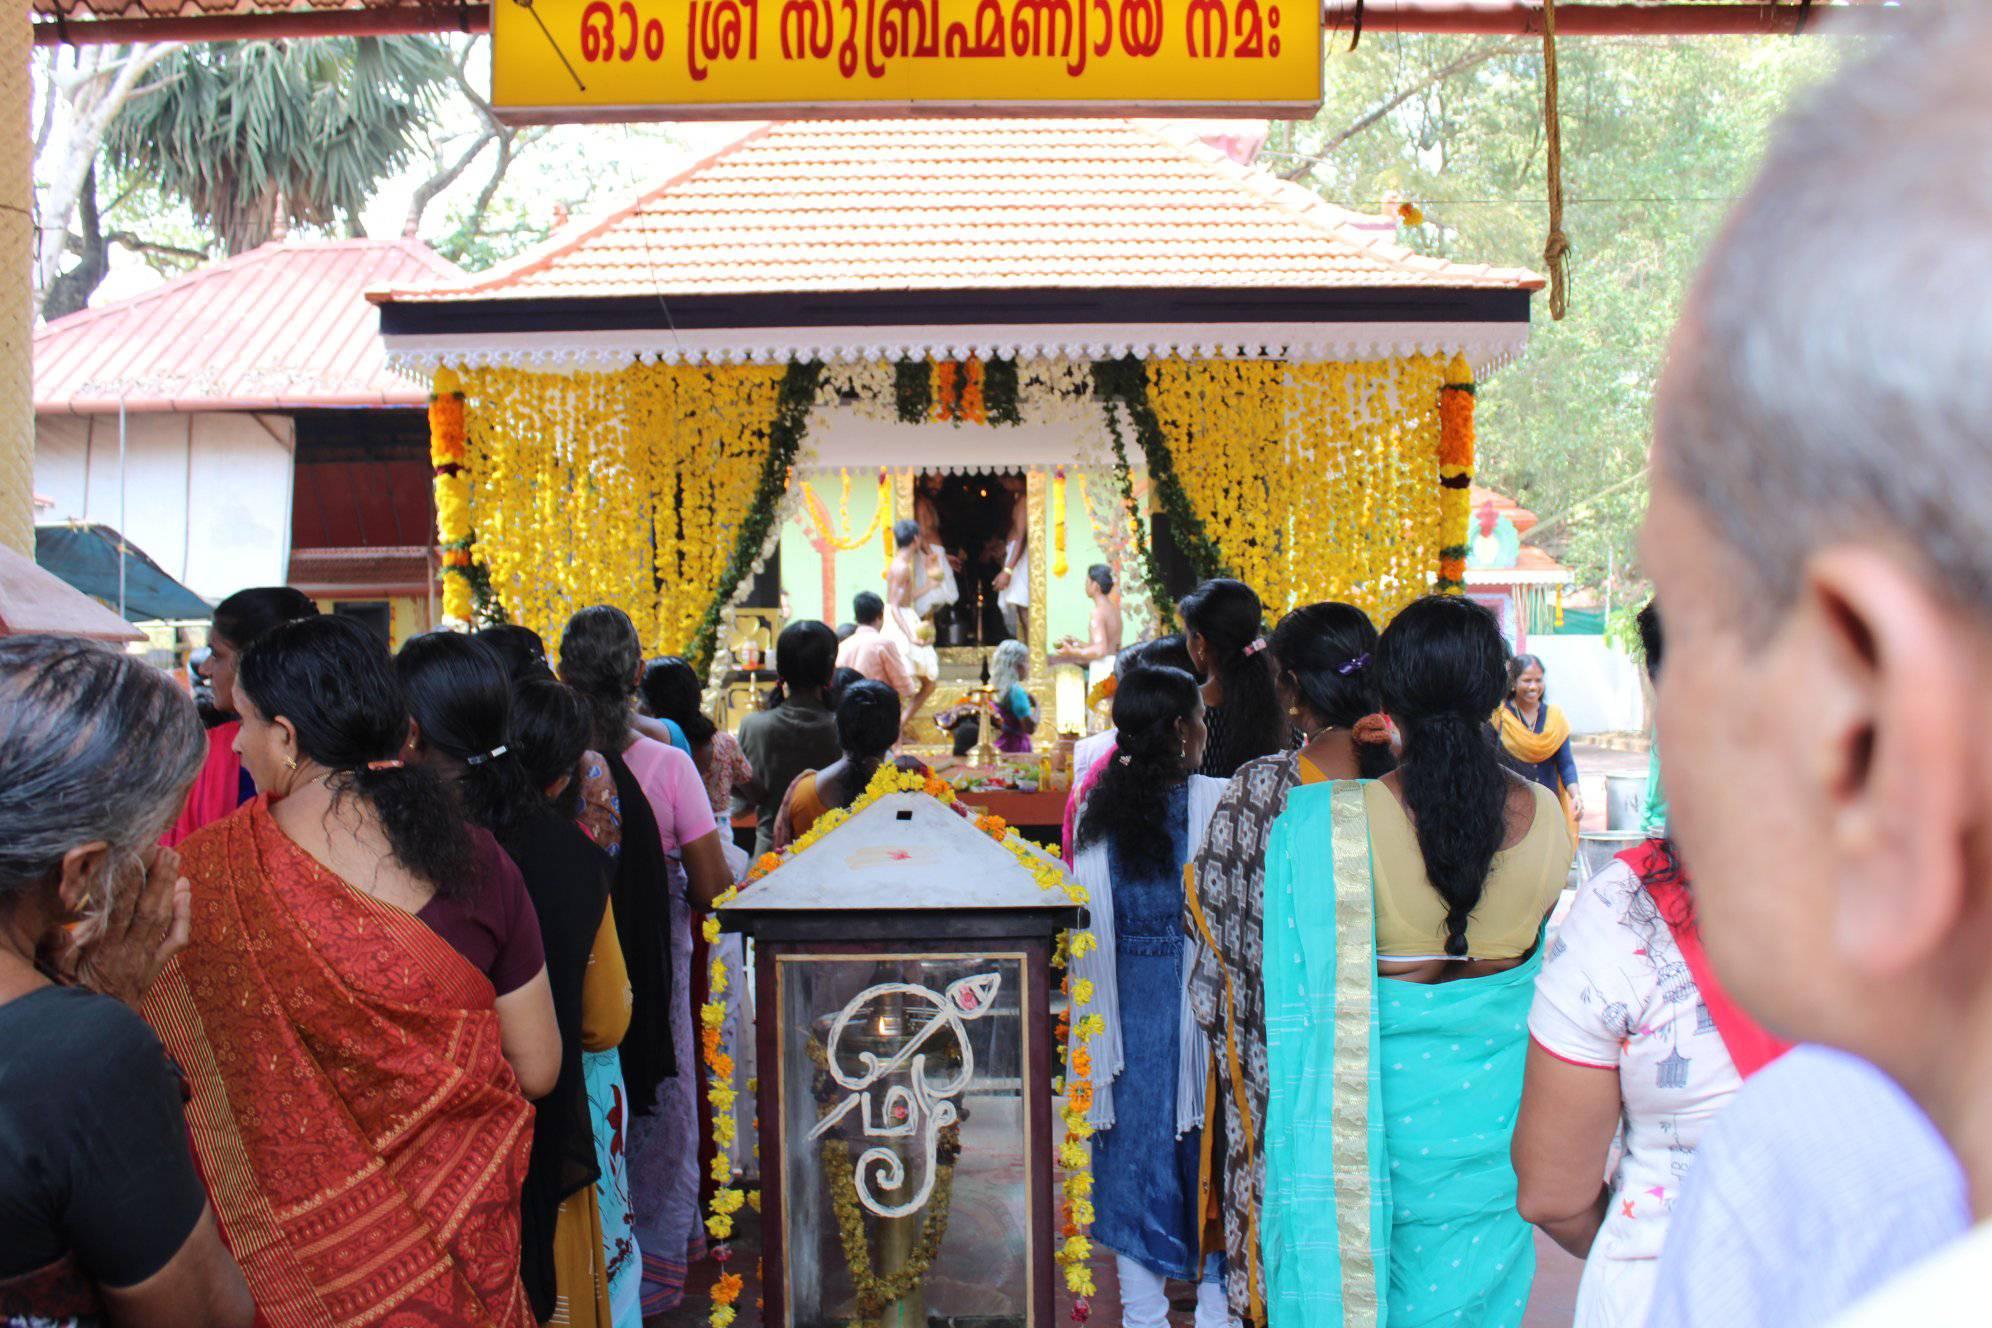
(1006, 669)
(94, 745)
(1828, 377)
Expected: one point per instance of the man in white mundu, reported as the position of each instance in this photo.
(918, 583)
(1097, 652)
(1013, 583)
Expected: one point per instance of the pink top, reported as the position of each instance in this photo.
(726, 766)
(677, 795)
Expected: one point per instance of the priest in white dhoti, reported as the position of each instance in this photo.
(1013, 583)
(918, 584)
(1098, 651)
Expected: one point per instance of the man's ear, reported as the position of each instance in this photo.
(1883, 663)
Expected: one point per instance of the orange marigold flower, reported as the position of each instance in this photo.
(728, 1288)
(722, 1065)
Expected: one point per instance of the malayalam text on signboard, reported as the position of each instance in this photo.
(610, 59)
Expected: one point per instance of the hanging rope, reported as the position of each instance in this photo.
(1556, 252)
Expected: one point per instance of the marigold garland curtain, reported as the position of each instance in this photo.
(627, 487)
(1311, 480)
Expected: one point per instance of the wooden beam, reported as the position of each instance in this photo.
(391, 21)
(1522, 18)
(1510, 17)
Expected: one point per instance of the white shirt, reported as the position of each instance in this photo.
(1946, 1291)
(1614, 993)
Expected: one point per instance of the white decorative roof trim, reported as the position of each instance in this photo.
(1487, 346)
(1516, 576)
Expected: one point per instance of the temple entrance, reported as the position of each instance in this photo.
(978, 521)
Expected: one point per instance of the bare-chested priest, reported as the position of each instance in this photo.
(918, 583)
(1097, 653)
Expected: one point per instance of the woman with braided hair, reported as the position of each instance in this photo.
(1417, 898)
(1136, 829)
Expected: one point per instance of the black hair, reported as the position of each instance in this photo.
(1102, 576)
(335, 682)
(867, 608)
(461, 699)
(599, 654)
(967, 732)
(1126, 805)
(1329, 651)
(805, 656)
(867, 727)
(549, 737)
(672, 690)
(519, 649)
(1652, 639)
(1517, 666)
(1441, 667)
(845, 631)
(905, 531)
(246, 616)
(840, 681)
(1228, 616)
(1164, 652)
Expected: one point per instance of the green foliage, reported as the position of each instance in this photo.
(242, 130)
(1658, 137)
(505, 230)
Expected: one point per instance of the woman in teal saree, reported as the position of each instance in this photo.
(1394, 960)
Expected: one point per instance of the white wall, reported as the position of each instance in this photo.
(1597, 687)
(207, 497)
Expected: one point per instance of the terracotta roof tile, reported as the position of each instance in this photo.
(283, 326)
(954, 204)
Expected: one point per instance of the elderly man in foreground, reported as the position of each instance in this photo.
(1822, 545)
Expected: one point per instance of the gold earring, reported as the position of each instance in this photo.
(1294, 711)
(290, 765)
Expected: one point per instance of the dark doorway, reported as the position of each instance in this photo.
(973, 516)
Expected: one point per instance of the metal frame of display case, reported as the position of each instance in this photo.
(1023, 934)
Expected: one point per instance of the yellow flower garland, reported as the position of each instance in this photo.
(1455, 473)
(453, 529)
(1316, 480)
(1074, 1155)
(819, 517)
(1059, 566)
(623, 487)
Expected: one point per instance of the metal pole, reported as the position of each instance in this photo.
(121, 501)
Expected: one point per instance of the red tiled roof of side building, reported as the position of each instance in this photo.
(964, 204)
(283, 326)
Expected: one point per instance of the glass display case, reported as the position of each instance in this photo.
(904, 1029)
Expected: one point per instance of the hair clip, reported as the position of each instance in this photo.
(1258, 644)
(491, 755)
(1125, 759)
(1356, 665)
(392, 763)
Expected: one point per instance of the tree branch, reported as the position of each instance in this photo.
(1376, 113)
(138, 244)
(444, 178)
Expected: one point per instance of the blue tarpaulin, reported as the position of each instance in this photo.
(87, 556)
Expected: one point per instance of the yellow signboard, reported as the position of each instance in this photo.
(559, 60)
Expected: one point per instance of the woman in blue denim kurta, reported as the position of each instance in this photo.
(1135, 832)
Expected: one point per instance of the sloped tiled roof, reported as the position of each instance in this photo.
(283, 326)
(962, 204)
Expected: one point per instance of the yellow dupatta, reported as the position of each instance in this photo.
(1525, 744)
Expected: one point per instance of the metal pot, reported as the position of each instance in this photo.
(1625, 802)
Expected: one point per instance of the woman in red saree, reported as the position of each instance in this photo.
(361, 1134)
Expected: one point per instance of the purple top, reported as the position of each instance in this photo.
(1821, 1181)
(495, 928)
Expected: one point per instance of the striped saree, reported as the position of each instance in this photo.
(361, 1136)
(1389, 1197)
